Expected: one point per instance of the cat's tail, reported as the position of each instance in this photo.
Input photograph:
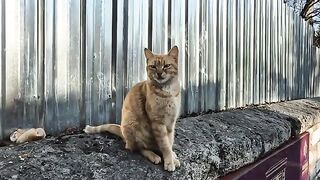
(111, 128)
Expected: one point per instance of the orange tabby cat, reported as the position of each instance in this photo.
(150, 111)
(26, 135)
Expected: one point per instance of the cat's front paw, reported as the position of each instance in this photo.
(176, 163)
(175, 160)
(169, 166)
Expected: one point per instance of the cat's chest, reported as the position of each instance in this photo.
(166, 107)
(171, 105)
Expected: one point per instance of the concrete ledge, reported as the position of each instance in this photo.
(208, 146)
(303, 114)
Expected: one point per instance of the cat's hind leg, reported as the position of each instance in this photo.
(129, 137)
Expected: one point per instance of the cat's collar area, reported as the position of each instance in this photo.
(159, 90)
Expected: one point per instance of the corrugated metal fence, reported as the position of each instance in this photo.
(70, 63)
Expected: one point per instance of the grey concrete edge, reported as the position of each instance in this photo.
(208, 146)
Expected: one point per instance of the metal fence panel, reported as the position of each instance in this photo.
(70, 63)
(98, 62)
(62, 82)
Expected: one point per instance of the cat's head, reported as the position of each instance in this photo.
(162, 68)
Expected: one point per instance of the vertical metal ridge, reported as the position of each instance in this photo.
(316, 73)
(150, 24)
(276, 54)
(169, 25)
(212, 11)
(240, 54)
(186, 65)
(250, 65)
(144, 40)
(24, 78)
(286, 56)
(114, 39)
(221, 89)
(298, 60)
(129, 66)
(202, 51)
(119, 71)
(294, 82)
(246, 54)
(204, 56)
(88, 66)
(125, 44)
(178, 32)
(231, 56)
(2, 65)
(40, 60)
(262, 53)
(256, 53)
(281, 78)
(268, 50)
(193, 55)
(83, 24)
(272, 50)
(107, 62)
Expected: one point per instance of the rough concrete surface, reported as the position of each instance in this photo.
(305, 112)
(208, 146)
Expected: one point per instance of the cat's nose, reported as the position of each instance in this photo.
(159, 74)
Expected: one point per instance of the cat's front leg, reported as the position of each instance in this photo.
(162, 137)
(175, 157)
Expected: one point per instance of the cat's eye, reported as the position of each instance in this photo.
(167, 66)
(152, 66)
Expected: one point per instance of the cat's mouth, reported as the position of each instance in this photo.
(161, 79)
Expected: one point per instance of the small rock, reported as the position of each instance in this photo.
(65, 171)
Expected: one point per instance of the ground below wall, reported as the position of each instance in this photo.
(208, 146)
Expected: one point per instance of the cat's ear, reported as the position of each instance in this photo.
(148, 53)
(174, 52)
